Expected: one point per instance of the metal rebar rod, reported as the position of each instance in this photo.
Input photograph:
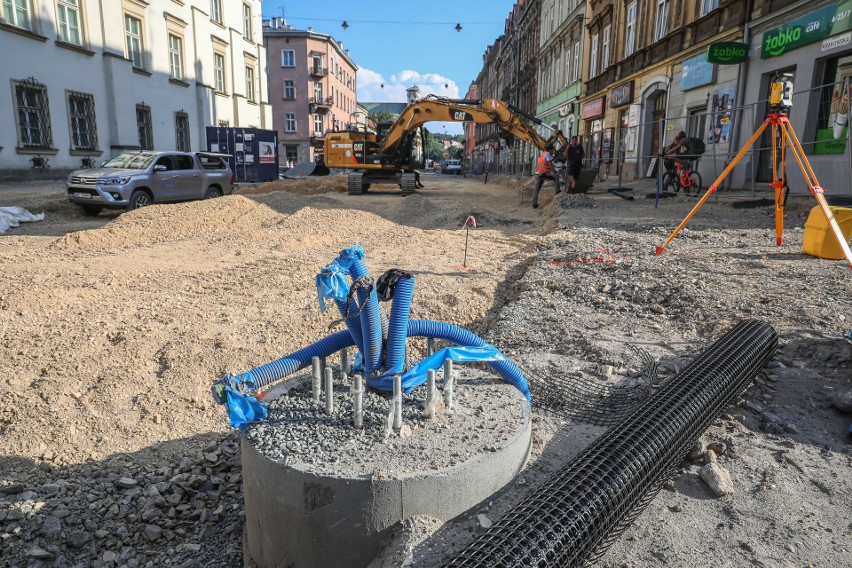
(430, 346)
(329, 390)
(358, 402)
(448, 384)
(345, 363)
(397, 402)
(316, 375)
(431, 393)
(571, 519)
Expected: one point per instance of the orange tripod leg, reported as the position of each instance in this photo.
(778, 182)
(817, 191)
(712, 188)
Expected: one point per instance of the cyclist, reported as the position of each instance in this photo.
(680, 151)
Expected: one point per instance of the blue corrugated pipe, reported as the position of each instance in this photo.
(506, 369)
(277, 370)
(371, 324)
(398, 326)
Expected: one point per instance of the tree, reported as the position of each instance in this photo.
(380, 116)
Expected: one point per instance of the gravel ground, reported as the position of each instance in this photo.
(114, 453)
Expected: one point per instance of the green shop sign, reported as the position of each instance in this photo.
(816, 26)
(727, 52)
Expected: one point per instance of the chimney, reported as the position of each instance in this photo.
(310, 29)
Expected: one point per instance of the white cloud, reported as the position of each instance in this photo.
(370, 89)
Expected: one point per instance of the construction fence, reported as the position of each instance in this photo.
(630, 153)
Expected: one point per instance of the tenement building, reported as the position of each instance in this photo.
(90, 78)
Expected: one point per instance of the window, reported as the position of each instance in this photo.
(318, 124)
(708, 6)
(250, 83)
(183, 162)
(317, 92)
(133, 34)
(223, 123)
(593, 59)
(17, 13)
(576, 75)
(247, 21)
(289, 90)
(69, 21)
(182, 142)
(317, 64)
(696, 121)
(605, 48)
(288, 58)
(216, 11)
(175, 57)
(557, 67)
(144, 128)
(567, 66)
(832, 117)
(661, 22)
(219, 70)
(630, 31)
(84, 128)
(290, 122)
(33, 115)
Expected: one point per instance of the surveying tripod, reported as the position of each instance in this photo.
(780, 101)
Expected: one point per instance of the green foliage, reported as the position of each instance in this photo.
(381, 116)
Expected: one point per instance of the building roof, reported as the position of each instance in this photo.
(278, 27)
(391, 108)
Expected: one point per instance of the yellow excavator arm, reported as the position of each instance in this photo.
(510, 120)
(388, 158)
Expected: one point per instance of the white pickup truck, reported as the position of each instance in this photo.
(136, 179)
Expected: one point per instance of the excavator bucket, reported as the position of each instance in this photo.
(304, 169)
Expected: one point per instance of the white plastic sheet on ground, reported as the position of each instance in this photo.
(11, 217)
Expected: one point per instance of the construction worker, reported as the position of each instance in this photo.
(544, 169)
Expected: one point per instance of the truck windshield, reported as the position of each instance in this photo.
(131, 161)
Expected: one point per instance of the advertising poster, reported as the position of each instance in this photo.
(719, 130)
(267, 152)
(832, 140)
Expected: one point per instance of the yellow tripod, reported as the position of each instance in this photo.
(780, 124)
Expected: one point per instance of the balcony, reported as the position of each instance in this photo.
(320, 104)
(317, 71)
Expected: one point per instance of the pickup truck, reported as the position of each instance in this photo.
(136, 179)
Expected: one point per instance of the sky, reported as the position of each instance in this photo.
(400, 43)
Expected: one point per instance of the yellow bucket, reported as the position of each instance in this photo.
(819, 238)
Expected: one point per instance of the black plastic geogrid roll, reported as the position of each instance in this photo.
(571, 519)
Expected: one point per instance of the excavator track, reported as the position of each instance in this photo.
(355, 184)
(408, 184)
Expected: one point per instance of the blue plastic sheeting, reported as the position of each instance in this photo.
(243, 409)
(439, 330)
(417, 375)
(331, 284)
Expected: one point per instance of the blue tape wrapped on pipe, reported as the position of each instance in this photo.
(418, 374)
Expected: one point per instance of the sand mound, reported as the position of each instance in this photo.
(307, 186)
(172, 222)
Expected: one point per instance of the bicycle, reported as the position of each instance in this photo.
(683, 177)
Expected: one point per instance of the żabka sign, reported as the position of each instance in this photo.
(727, 52)
(816, 26)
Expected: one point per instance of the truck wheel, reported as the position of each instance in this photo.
(139, 198)
(213, 192)
(90, 210)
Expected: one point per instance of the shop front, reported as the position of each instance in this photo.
(812, 47)
(592, 114)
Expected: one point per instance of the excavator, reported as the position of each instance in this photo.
(394, 153)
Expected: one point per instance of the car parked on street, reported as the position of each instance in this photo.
(452, 167)
(135, 179)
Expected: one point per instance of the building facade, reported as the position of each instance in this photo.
(648, 78)
(91, 78)
(312, 85)
(560, 65)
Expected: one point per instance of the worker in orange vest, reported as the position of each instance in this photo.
(544, 169)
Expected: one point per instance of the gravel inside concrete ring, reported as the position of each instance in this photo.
(299, 433)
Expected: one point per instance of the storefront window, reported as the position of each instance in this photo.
(833, 115)
(593, 152)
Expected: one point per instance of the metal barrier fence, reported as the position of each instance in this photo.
(631, 153)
